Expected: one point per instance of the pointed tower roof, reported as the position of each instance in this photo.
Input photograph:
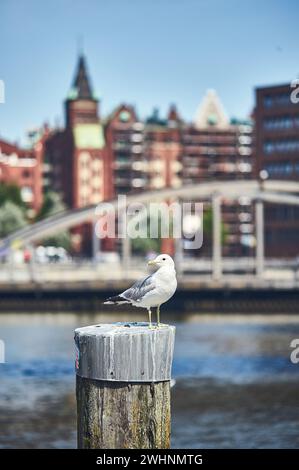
(81, 88)
(211, 112)
(173, 114)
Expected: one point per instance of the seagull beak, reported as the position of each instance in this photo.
(153, 262)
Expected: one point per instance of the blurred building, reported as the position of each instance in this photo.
(143, 155)
(218, 149)
(24, 168)
(163, 150)
(159, 153)
(76, 155)
(124, 138)
(92, 159)
(277, 152)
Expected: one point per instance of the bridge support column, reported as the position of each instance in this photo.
(126, 244)
(179, 254)
(259, 223)
(217, 255)
(96, 242)
(10, 259)
(178, 240)
(31, 263)
(126, 252)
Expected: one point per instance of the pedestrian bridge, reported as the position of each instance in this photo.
(259, 192)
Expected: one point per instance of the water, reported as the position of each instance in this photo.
(235, 383)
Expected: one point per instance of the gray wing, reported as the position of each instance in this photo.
(139, 289)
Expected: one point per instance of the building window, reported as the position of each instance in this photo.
(279, 169)
(281, 146)
(281, 99)
(124, 116)
(26, 174)
(27, 194)
(84, 159)
(281, 122)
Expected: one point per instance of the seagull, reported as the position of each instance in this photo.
(153, 291)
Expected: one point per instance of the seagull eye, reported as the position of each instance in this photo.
(163, 259)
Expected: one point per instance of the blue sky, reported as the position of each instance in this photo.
(144, 52)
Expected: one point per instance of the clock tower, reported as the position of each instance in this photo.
(87, 157)
(81, 105)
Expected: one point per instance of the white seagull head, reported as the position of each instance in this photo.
(161, 261)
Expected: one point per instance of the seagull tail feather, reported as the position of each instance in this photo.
(116, 300)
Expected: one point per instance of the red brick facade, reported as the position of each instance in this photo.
(24, 169)
(277, 151)
(92, 160)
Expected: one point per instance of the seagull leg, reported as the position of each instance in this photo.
(149, 317)
(158, 316)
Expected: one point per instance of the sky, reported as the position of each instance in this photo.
(149, 53)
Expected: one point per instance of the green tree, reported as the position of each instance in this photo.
(12, 218)
(147, 244)
(208, 226)
(11, 192)
(62, 239)
(144, 245)
(53, 205)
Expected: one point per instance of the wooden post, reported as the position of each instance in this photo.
(123, 375)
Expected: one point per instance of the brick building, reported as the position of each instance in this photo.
(218, 149)
(159, 153)
(163, 150)
(143, 155)
(277, 152)
(124, 141)
(24, 168)
(79, 170)
(91, 160)
(77, 155)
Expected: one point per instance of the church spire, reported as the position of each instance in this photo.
(81, 104)
(81, 88)
(211, 112)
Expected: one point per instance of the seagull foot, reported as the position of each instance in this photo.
(157, 326)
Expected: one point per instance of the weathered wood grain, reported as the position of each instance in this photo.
(123, 386)
(117, 415)
(125, 352)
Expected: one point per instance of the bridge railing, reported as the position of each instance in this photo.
(86, 271)
(276, 192)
